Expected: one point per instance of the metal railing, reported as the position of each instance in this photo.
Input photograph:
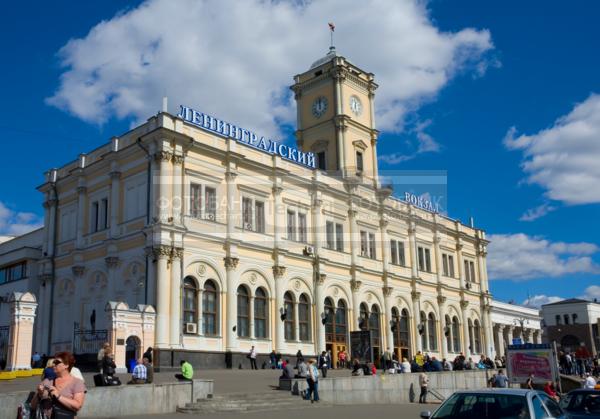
(88, 341)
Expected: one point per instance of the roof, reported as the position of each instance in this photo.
(508, 391)
(568, 301)
(330, 56)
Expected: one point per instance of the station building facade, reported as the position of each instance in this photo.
(237, 247)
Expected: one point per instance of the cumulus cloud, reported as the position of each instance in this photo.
(591, 293)
(537, 212)
(236, 60)
(521, 257)
(563, 159)
(422, 143)
(14, 223)
(538, 301)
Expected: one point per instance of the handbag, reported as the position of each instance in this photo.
(59, 412)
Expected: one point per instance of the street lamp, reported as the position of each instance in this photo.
(324, 317)
(394, 324)
(421, 328)
(282, 313)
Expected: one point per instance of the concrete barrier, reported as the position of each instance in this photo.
(388, 388)
(124, 400)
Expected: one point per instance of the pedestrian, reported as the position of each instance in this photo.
(529, 382)
(387, 359)
(149, 371)
(589, 382)
(299, 357)
(49, 373)
(501, 380)
(139, 374)
(549, 390)
(36, 360)
(302, 369)
(423, 383)
(101, 354)
(323, 364)
(108, 365)
(252, 357)
(342, 359)
(313, 382)
(187, 371)
(329, 360)
(148, 354)
(288, 371)
(273, 359)
(405, 365)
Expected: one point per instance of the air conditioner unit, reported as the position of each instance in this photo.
(309, 250)
(210, 216)
(191, 328)
(248, 226)
(468, 285)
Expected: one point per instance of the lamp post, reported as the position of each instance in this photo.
(282, 313)
(521, 322)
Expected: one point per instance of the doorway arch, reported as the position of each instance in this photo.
(133, 351)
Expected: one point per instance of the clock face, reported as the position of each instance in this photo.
(319, 106)
(355, 105)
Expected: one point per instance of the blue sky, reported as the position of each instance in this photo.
(455, 77)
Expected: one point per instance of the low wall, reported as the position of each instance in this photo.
(124, 400)
(389, 388)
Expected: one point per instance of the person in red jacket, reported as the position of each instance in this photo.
(549, 390)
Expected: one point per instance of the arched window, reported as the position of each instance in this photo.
(190, 301)
(396, 326)
(404, 329)
(455, 335)
(448, 332)
(329, 320)
(477, 335)
(432, 332)
(340, 322)
(423, 330)
(304, 318)
(471, 340)
(289, 330)
(210, 308)
(261, 314)
(243, 312)
(364, 317)
(374, 324)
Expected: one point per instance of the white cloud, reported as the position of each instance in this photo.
(538, 301)
(521, 257)
(537, 212)
(423, 143)
(14, 223)
(235, 60)
(591, 293)
(563, 159)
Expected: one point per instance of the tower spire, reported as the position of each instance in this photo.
(331, 31)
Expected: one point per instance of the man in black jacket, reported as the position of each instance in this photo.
(323, 365)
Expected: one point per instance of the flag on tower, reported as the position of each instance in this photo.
(331, 26)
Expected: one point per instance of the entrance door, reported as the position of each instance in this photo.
(133, 351)
(336, 330)
(401, 331)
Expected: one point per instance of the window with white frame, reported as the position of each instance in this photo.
(424, 258)
(397, 252)
(367, 245)
(253, 215)
(448, 265)
(334, 233)
(469, 271)
(203, 201)
(296, 226)
(68, 222)
(135, 197)
(99, 215)
(291, 225)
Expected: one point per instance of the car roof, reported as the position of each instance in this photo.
(584, 390)
(507, 391)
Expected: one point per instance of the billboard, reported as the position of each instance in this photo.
(536, 359)
(361, 346)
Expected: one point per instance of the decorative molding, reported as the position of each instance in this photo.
(230, 176)
(253, 278)
(201, 270)
(231, 263)
(177, 159)
(112, 262)
(321, 279)
(114, 175)
(161, 252)
(78, 270)
(387, 291)
(278, 271)
(177, 253)
(297, 285)
(416, 295)
(161, 156)
(81, 189)
(355, 285)
(277, 190)
(464, 304)
(441, 299)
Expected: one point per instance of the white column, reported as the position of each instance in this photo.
(320, 306)
(115, 204)
(176, 315)
(151, 275)
(416, 297)
(162, 198)
(500, 338)
(459, 259)
(387, 299)
(296, 323)
(354, 236)
(230, 267)
(177, 199)
(251, 320)
(162, 255)
(385, 245)
(355, 285)
(465, 323)
(487, 332)
(412, 240)
(52, 226)
(81, 194)
(442, 324)
(278, 274)
(509, 334)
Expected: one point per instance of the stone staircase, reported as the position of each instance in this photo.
(246, 402)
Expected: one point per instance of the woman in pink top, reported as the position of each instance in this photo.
(65, 393)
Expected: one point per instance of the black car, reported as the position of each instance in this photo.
(582, 403)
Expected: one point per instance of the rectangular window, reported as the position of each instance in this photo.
(445, 264)
(469, 271)
(260, 216)
(472, 269)
(210, 200)
(195, 200)
(302, 232)
(95, 216)
(104, 213)
(424, 255)
(339, 237)
(359, 161)
(427, 260)
(364, 245)
(291, 225)
(13, 272)
(135, 188)
(321, 163)
(247, 213)
(421, 258)
(394, 251)
(372, 246)
(451, 266)
(329, 233)
(401, 259)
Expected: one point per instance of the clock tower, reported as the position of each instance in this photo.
(335, 113)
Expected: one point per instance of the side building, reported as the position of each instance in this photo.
(239, 242)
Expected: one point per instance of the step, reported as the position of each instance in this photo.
(244, 402)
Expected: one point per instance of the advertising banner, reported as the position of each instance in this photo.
(361, 346)
(536, 359)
